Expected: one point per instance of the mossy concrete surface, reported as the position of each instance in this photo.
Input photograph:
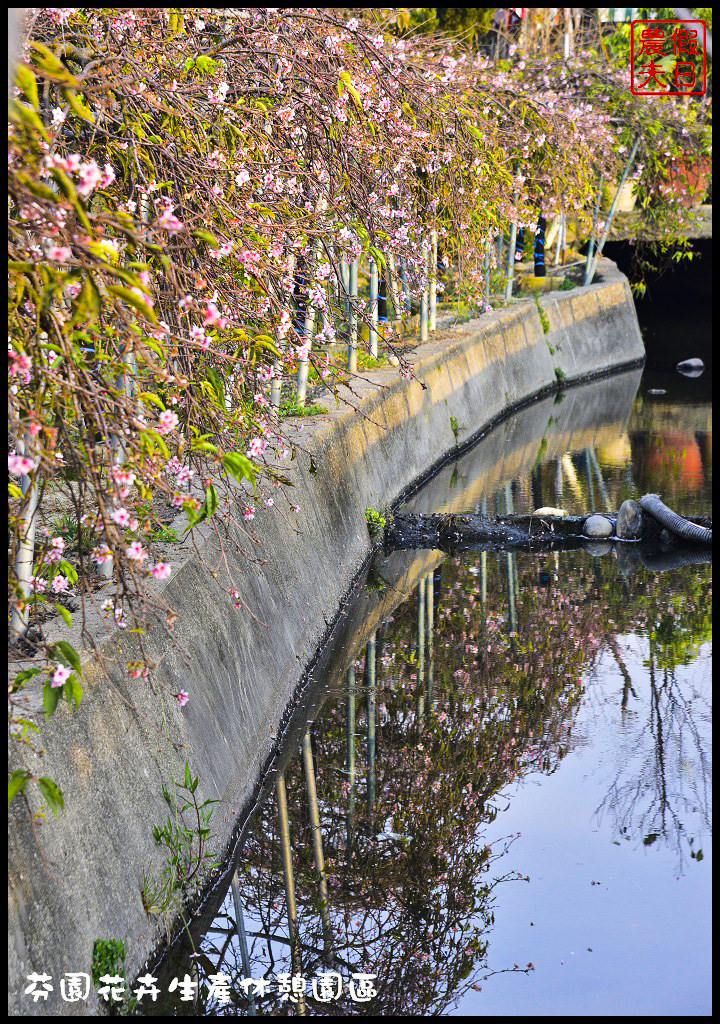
(79, 877)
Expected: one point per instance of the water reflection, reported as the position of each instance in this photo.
(381, 849)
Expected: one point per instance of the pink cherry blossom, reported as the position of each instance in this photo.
(60, 675)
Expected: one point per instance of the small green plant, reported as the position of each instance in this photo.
(291, 408)
(560, 374)
(109, 962)
(375, 582)
(375, 523)
(166, 535)
(108, 957)
(185, 840)
(455, 427)
(543, 318)
(567, 285)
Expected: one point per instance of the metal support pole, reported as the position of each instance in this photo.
(308, 331)
(421, 653)
(353, 318)
(373, 309)
(370, 661)
(486, 289)
(317, 843)
(424, 312)
(560, 231)
(276, 382)
(240, 924)
(394, 292)
(25, 554)
(430, 620)
(483, 560)
(559, 482)
(600, 479)
(591, 243)
(510, 510)
(588, 477)
(350, 755)
(510, 263)
(611, 214)
(433, 280)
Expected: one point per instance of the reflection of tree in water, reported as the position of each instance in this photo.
(476, 681)
(461, 708)
(661, 791)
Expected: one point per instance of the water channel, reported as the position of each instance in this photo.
(495, 795)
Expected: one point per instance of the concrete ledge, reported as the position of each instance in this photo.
(79, 877)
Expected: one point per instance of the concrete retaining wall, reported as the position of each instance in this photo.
(79, 877)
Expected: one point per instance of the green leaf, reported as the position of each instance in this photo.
(26, 81)
(263, 341)
(19, 112)
(73, 690)
(154, 436)
(133, 300)
(68, 571)
(17, 783)
(148, 396)
(211, 501)
(205, 236)
(52, 65)
(78, 105)
(23, 677)
(239, 467)
(188, 776)
(218, 386)
(51, 697)
(87, 304)
(65, 614)
(68, 655)
(52, 794)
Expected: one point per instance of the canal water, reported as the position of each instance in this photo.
(494, 797)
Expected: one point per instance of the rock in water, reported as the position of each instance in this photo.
(547, 510)
(598, 548)
(597, 526)
(691, 367)
(629, 521)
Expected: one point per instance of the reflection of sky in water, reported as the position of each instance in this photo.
(597, 709)
(648, 922)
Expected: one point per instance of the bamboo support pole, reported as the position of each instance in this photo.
(286, 851)
(317, 843)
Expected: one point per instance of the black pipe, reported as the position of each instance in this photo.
(680, 527)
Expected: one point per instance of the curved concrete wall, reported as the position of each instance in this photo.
(79, 877)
